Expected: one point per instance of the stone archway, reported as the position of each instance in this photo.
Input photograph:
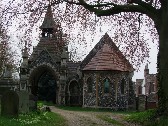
(43, 80)
(73, 93)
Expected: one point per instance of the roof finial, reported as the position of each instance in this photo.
(146, 66)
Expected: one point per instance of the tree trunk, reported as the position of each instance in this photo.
(163, 63)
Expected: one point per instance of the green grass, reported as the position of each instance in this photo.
(140, 117)
(83, 109)
(147, 118)
(34, 119)
(41, 103)
(110, 120)
(162, 121)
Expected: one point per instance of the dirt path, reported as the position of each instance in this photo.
(76, 118)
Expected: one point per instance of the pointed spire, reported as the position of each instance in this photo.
(146, 66)
(48, 19)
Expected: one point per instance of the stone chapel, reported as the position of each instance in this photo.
(102, 80)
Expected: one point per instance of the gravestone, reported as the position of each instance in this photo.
(23, 101)
(10, 104)
(141, 102)
(32, 102)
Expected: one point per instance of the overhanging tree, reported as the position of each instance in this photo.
(6, 52)
(160, 18)
(157, 10)
(158, 15)
(77, 22)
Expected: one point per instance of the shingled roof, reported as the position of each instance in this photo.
(106, 56)
(48, 19)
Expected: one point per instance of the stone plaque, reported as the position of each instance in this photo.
(10, 104)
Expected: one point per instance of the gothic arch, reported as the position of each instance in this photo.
(106, 85)
(90, 83)
(122, 86)
(73, 93)
(43, 83)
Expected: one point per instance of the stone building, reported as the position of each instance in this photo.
(107, 76)
(6, 80)
(103, 79)
(149, 83)
(139, 87)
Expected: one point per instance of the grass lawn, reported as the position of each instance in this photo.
(34, 119)
(147, 118)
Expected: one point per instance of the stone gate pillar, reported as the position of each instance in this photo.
(63, 76)
(61, 97)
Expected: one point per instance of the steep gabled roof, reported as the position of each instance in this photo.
(48, 19)
(106, 56)
(43, 56)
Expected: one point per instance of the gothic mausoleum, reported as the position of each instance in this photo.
(102, 80)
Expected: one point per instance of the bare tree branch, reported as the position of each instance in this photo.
(112, 8)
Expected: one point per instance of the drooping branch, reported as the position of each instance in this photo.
(112, 8)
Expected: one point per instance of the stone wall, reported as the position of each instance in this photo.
(114, 99)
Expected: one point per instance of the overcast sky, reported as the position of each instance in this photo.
(83, 50)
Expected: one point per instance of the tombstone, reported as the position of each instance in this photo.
(32, 102)
(23, 101)
(10, 104)
(141, 102)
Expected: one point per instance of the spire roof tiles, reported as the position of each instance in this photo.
(106, 56)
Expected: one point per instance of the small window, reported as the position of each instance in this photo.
(151, 87)
(140, 89)
(106, 85)
(123, 86)
(90, 84)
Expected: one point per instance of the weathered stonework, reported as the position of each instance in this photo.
(114, 99)
(51, 76)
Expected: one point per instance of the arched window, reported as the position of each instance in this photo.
(151, 87)
(90, 84)
(106, 85)
(139, 89)
(123, 86)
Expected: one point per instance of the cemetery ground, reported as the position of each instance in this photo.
(78, 116)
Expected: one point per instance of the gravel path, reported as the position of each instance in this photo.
(76, 118)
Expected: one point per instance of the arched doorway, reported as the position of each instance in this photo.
(73, 94)
(43, 82)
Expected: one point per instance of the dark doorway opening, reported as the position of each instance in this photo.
(43, 82)
(47, 87)
(73, 94)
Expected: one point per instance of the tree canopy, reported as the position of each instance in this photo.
(78, 18)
